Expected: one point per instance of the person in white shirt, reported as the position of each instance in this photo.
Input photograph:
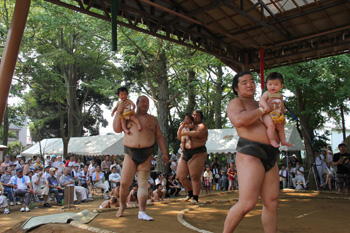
(47, 160)
(59, 165)
(320, 161)
(283, 176)
(99, 181)
(22, 187)
(46, 172)
(18, 161)
(114, 177)
(66, 180)
(3, 200)
(299, 175)
(41, 185)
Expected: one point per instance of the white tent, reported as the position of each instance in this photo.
(90, 146)
(225, 140)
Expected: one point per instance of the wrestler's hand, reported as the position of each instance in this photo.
(165, 159)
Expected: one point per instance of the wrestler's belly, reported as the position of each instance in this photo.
(257, 133)
(197, 143)
(139, 139)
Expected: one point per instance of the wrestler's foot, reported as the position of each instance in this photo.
(274, 143)
(187, 198)
(194, 202)
(144, 216)
(286, 144)
(121, 211)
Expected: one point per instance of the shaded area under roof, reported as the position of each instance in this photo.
(289, 31)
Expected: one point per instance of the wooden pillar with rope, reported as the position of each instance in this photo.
(11, 50)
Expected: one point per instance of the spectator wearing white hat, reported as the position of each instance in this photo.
(18, 161)
(22, 187)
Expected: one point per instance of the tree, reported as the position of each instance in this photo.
(317, 88)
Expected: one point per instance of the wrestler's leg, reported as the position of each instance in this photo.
(282, 135)
(182, 173)
(267, 119)
(250, 172)
(196, 167)
(269, 197)
(134, 119)
(124, 126)
(144, 167)
(128, 173)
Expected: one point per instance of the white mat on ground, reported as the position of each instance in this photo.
(84, 216)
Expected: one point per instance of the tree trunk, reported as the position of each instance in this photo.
(191, 77)
(6, 126)
(218, 98)
(342, 121)
(65, 139)
(163, 96)
(308, 137)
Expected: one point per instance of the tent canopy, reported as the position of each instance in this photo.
(91, 146)
(225, 140)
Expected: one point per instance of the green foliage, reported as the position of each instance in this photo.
(14, 148)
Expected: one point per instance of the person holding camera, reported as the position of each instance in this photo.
(41, 185)
(299, 175)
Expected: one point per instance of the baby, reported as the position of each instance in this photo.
(129, 110)
(275, 119)
(185, 140)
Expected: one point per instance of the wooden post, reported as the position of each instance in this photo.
(11, 50)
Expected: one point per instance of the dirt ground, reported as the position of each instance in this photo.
(298, 212)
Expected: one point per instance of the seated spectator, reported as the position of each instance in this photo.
(98, 180)
(18, 161)
(70, 162)
(84, 181)
(328, 172)
(47, 160)
(299, 175)
(3, 200)
(5, 164)
(22, 187)
(114, 177)
(55, 187)
(41, 186)
(172, 188)
(92, 167)
(38, 163)
(66, 180)
(5, 180)
(13, 168)
(59, 165)
(283, 177)
(161, 180)
(158, 193)
(47, 172)
(30, 174)
(131, 200)
(74, 174)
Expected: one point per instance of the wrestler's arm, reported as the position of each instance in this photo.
(263, 101)
(161, 143)
(240, 116)
(200, 132)
(117, 125)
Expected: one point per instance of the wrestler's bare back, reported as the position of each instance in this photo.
(141, 138)
(255, 131)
